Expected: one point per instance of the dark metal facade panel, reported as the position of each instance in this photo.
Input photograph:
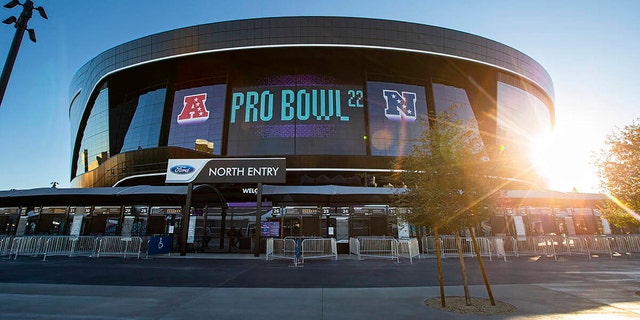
(295, 32)
(307, 31)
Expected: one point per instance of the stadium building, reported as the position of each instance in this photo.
(337, 97)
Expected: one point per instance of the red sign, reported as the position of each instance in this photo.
(194, 110)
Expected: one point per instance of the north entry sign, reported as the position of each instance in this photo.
(227, 170)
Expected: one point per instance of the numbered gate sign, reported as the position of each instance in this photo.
(159, 245)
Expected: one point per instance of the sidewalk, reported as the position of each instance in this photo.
(601, 295)
(541, 301)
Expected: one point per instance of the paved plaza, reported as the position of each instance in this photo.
(237, 286)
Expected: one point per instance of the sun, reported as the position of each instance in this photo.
(564, 161)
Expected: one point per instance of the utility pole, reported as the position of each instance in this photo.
(20, 25)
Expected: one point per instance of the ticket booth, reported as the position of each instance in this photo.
(585, 221)
(335, 223)
(9, 220)
(134, 221)
(105, 220)
(297, 221)
(53, 220)
(370, 220)
(164, 220)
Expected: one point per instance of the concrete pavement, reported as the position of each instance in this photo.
(605, 289)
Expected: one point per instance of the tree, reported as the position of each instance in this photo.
(451, 183)
(618, 167)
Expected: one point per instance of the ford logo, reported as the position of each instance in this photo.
(182, 169)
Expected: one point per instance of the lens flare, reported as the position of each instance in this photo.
(623, 206)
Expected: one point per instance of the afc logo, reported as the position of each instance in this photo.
(194, 110)
(400, 107)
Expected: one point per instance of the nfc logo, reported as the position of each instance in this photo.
(400, 106)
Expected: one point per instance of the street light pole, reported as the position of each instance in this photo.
(21, 26)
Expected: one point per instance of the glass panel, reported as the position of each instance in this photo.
(397, 116)
(197, 118)
(94, 148)
(523, 123)
(144, 130)
(453, 99)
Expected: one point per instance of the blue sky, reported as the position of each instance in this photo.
(588, 47)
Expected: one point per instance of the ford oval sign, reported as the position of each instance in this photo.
(182, 169)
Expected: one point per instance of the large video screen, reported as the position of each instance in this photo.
(297, 115)
(397, 117)
(197, 118)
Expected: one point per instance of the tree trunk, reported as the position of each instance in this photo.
(484, 272)
(463, 270)
(438, 258)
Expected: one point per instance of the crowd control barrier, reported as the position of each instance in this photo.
(489, 247)
(281, 249)
(319, 248)
(72, 246)
(297, 249)
(547, 245)
(376, 247)
(5, 245)
(408, 248)
(68, 246)
(116, 246)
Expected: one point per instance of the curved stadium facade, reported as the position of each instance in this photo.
(337, 97)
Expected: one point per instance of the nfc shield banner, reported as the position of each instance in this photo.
(227, 170)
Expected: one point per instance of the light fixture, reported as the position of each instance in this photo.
(12, 4)
(32, 34)
(42, 13)
(10, 20)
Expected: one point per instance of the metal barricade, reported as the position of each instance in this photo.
(510, 246)
(378, 247)
(354, 246)
(281, 249)
(319, 248)
(116, 246)
(56, 246)
(83, 246)
(5, 245)
(597, 245)
(408, 248)
(624, 244)
(27, 246)
(429, 245)
(449, 246)
(535, 246)
(486, 246)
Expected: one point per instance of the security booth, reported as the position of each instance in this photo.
(498, 223)
(369, 220)
(541, 221)
(301, 221)
(52, 220)
(105, 220)
(134, 221)
(335, 223)
(586, 222)
(9, 220)
(164, 220)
